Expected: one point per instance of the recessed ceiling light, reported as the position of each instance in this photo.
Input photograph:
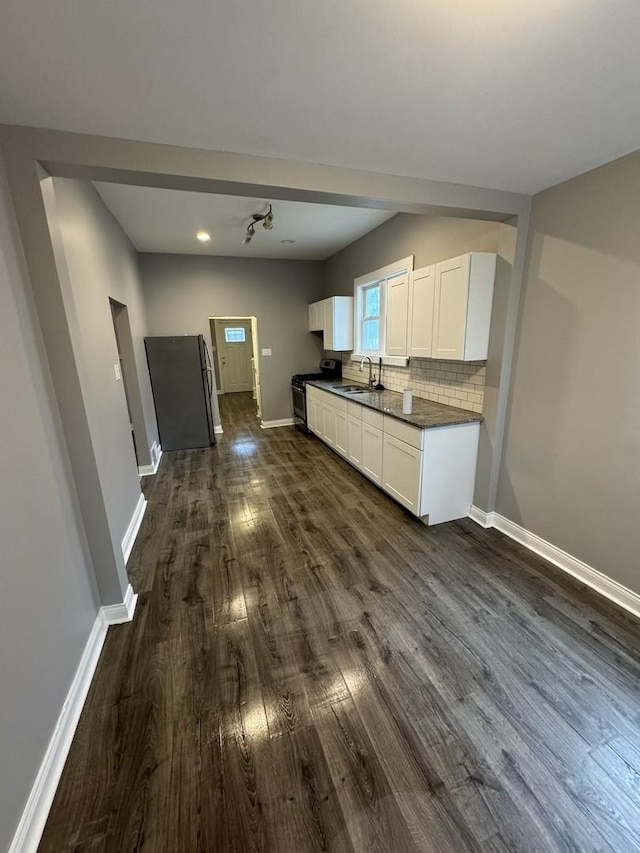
(287, 241)
(203, 236)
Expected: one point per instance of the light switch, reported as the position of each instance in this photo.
(266, 352)
(116, 370)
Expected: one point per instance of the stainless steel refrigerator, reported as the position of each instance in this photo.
(182, 384)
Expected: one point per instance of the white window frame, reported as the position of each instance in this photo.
(379, 276)
(362, 317)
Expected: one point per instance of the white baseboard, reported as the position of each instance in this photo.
(132, 529)
(217, 429)
(36, 811)
(586, 574)
(282, 422)
(484, 519)
(156, 456)
(116, 614)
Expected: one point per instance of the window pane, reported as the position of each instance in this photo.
(234, 336)
(370, 334)
(372, 301)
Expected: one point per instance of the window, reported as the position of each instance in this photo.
(370, 302)
(370, 322)
(235, 335)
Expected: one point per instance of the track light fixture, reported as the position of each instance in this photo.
(267, 224)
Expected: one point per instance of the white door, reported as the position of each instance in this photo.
(450, 314)
(235, 352)
(255, 364)
(397, 314)
(401, 472)
(421, 304)
(372, 452)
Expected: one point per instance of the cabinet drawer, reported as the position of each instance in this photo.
(337, 403)
(354, 410)
(312, 392)
(405, 432)
(374, 419)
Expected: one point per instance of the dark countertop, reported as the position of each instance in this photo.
(425, 415)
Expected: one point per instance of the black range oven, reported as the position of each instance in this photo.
(330, 368)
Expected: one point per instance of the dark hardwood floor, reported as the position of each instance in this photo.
(310, 668)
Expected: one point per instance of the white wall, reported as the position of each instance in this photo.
(48, 599)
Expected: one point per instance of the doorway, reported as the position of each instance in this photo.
(236, 362)
(129, 376)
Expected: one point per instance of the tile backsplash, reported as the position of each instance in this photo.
(456, 383)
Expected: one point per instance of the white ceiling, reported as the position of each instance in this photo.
(495, 93)
(158, 220)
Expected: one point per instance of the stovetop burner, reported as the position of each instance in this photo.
(302, 377)
(329, 369)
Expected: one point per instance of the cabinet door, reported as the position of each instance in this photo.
(330, 428)
(397, 314)
(342, 309)
(421, 305)
(450, 314)
(328, 324)
(315, 419)
(372, 452)
(355, 441)
(311, 413)
(342, 433)
(401, 472)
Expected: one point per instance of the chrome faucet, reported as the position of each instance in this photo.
(366, 358)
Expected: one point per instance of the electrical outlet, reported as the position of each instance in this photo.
(266, 352)
(116, 370)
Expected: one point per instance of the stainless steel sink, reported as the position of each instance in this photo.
(348, 389)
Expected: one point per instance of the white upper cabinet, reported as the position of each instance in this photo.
(333, 317)
(316, 316)
(421, 303)
(462, 307)
(397, 314)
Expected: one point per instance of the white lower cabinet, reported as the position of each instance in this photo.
(402, 472)
(431, 472)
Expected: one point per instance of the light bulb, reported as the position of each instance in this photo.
(203, 236)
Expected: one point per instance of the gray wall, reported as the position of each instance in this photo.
(96, 261)
(49, 600)
(429, 238)
(183, 291)
(571, 468)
